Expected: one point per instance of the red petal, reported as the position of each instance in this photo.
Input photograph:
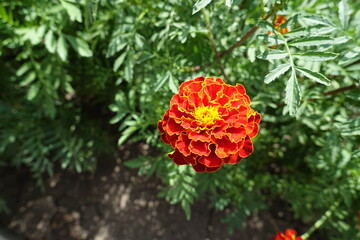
(177, 157)
(183, 145)
(247, 149)
(173, 127)
(202, 136)
(213, 91)
(255, 131)
(199, 148)
(195, 100)
(230, 91)
(290, 233)
(219, 132)
(211, 161)
(199, 167)
(225, 147)
(233, 159)
(212, 169)
(236, 134)
(240, 89)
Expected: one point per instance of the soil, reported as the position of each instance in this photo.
(114, 203)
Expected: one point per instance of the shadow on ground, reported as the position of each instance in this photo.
(114, 203)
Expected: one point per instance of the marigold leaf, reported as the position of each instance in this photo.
(317, 77)
(292, 96)
(199, 5)
(61, 48)
(316, 19)
(312, 30)
(72, 10)
(135, 162)
(271, 39)
(344, 13)
(80, 46)
(186, 206)
(173, 85)
(315, 56)
(277, 72)
(119, 61)
(273, 54)
(311, 41)
(228, 3)
(161, 82)
(50, 41)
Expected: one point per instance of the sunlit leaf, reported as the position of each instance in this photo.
(317, 77)
(315, 56)
(277, 72)
(199, 5)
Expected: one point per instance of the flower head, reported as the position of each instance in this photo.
(209, 123)
(290, 234)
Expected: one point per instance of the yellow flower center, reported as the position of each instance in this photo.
(207, 114)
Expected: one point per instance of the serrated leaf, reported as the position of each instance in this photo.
(277, 72)
(229, 2)
(350, 128)
(344, 14)
(341, 40)
(126, 134)
(50, 41)
(350, 55)
(311, 41)
(199, 5)
(271, 39)
(119, 61)
(316, 19)
(317, 77)
(315, 56)
(72, 10)
(273, 54)
(186, 207)
(310, 31)
(80, 46)
(23, 69)
(61, 48)
(135, 162)
(292, 97)
(28, 79)
(173, 84)
(161, 82)
(129, 70)
(33, 91)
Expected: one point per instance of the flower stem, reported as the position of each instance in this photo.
(321, 221)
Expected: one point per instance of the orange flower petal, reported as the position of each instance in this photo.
(225, 147)
(233, 159)
(247, 149)
(236, 134)
(202, 136)
(199, 148)
(211, 161)
(182, 144)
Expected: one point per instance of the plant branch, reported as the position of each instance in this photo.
(338, 90)
(321, 221)
(213, 45)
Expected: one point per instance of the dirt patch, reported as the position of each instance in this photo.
(114, 203)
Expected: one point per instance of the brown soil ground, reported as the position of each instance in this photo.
(114, 203)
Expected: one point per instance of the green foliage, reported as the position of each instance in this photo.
(78, 74)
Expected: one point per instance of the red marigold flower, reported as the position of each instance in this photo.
(209, 123)
(290, 234)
